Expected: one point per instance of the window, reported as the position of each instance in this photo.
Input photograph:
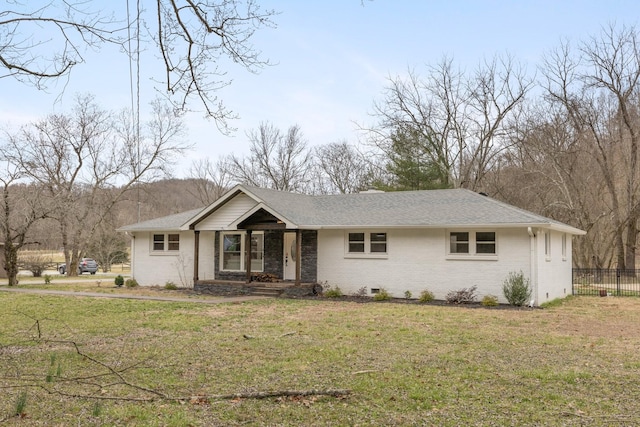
(564, 247)
(547, 245)
(378, 242)
(257, 252)
(234, 252)
(469, 243)
(174, 242)
(367, 243)
(486, 242)
(158, 242)
(166, 242)
(356, 242)
(459, 243)
(231, 252)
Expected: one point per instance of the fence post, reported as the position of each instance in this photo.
(618, 281)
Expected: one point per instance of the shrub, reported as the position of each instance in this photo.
(333, 292)
(131, 283)
(119, 280)
(35, 263)
(407, 294)
(47, 279)
(516, 288)
(489, 301)
(382, 295)
(361, 293)
(171, 286)
(462, 296)
(426, 296)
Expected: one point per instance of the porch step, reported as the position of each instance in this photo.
(266, 291)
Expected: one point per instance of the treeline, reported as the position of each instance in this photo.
(560, 140)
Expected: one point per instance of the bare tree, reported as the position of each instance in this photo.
(212, 179)
(43, 41)
(462, 121)
(279, 161)
(343, 169)
(550, 170)
(598, 89)
(22, 206)
(86, 166)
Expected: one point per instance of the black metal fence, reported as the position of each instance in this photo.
(600, 281)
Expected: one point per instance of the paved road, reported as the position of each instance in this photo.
(219, 300)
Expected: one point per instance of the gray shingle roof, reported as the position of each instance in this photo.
(432, 208)
(165, 223)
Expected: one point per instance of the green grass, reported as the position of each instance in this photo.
(405, 364)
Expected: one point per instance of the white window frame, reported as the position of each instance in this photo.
(243, 251)
(166, 243)
(547, 245)
(564, 246)
(368, 244)
(472, 243)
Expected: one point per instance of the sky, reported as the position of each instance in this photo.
(332, 59)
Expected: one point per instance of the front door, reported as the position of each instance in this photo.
(289, 256)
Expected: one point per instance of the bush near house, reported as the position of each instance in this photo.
(516, 288)
(462, 296)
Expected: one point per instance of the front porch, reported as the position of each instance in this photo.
(258, 243)
(239, 288)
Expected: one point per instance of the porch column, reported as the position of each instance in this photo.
(298, 255)
(247, 261)
(196, 255)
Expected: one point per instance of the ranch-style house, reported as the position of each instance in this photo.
(436, 240)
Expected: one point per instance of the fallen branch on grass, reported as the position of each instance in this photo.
(268, 394)
(367, 371)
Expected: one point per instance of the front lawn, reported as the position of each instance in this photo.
(87, 361)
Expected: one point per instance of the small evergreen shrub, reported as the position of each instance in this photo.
(131, 283)
(516, 288)
(426, 296)
(333, 292)
(47, 279)
(489, 301)
(382, 295)
(462, 296)
(407, 294)
(170, 286)
(119, 280)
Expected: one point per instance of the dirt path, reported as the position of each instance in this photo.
(219, 300)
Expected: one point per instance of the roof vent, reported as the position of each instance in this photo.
(371, 191)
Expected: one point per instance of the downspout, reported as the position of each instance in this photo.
(133, 254)
(533, 264)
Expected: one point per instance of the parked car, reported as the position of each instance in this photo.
(86, 265)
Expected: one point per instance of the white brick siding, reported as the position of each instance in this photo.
(153, 268)
(417, 260)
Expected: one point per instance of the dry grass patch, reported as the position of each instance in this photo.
(404, 364)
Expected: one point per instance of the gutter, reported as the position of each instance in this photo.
(533, 264)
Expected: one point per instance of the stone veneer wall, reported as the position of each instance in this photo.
(273, 247)
(309, 256)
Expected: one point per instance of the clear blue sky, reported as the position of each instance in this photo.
(333, 58)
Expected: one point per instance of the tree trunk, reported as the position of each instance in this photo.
(11, 262)
(630, 246)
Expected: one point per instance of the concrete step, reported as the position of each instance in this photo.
(266, 291)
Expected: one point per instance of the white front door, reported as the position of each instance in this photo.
(289, 256)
